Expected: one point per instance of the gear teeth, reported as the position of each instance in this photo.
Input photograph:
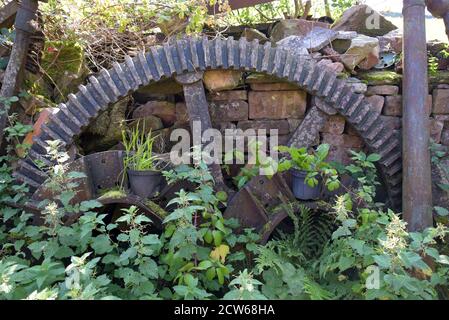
(154, 56)
(87, 95)
(192, 44)
(81, 109)
(106, 78)
(122, 77)
(24, 179)
(182, 54)
(96, 84)
(279, 63)
(132, 68)
(146, 76)
(267, 56)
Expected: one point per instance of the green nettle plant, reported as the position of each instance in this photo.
(199, 255)
(369, 255)
(312, 163)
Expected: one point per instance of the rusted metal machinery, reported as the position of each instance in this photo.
(185, 60)
(25, 13)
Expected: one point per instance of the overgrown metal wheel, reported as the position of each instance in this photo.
(186, 60)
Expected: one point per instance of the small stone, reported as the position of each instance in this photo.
(250, 34)
(334, 125)
(362, 48)
(436, 130)
(441, 101)
(294, 27)
(294, 44)
(228, 95)
(220, 80)
(364, 20)
(385, 90)
(371, 61)
(277, 104)
(164, 110)
(279, 86)
(377, 102)
(281, 125)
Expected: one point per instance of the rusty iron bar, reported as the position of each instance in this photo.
(417, 191)
(198, 110)
(26, 14)
(440, 9)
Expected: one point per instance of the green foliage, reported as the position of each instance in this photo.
(139, 149)
(340, 6)
(312, 163)
(433, 65)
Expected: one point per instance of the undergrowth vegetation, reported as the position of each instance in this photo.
(353, 248)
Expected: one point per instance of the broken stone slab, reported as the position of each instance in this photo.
(294, 44)
(391, 42)
(319, 38)
(362, 48)
(250, 34)
(364, 20)
(294, 27)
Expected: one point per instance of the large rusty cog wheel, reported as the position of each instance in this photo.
(186, 60)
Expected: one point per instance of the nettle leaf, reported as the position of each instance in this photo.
(141, 219)
(383, 261)
(89, 205)
(151, 239)
(102, 244)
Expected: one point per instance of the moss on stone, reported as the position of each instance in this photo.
(64, 65)
(112, 194)
(156, 209)
(375, 78)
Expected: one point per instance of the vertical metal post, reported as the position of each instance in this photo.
(417, 190)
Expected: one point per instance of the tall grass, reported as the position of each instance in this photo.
(139, 149)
